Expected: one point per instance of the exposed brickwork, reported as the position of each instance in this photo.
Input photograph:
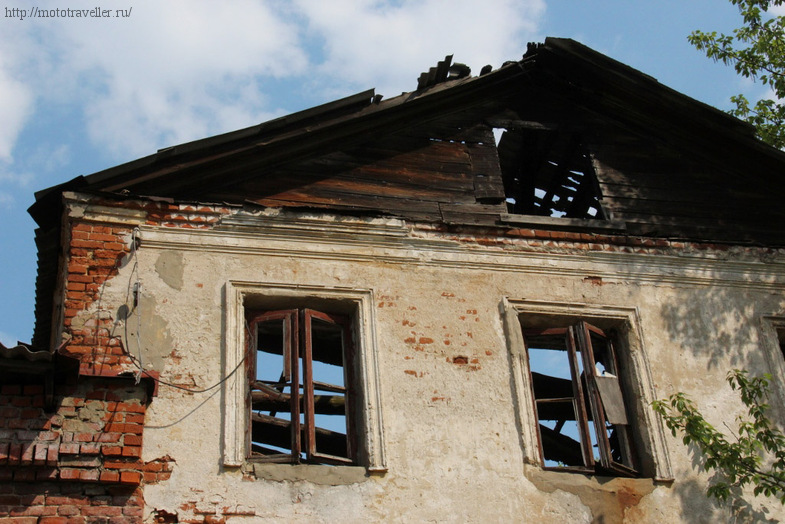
(94, 435)
(544, 241)
(70, 503)
(82, 462)
(95, 254)
(211, 513)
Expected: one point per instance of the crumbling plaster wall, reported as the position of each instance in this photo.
(451, 431)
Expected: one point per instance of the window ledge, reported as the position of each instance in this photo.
(313, 473)
(570, 481)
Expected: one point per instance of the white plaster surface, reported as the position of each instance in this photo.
(454, 449)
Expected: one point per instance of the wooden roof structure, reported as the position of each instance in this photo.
(565, 138)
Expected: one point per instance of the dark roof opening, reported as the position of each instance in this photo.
(548, 173)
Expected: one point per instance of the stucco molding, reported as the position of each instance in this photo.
(633, 355)
(391, 247)
(359, 302)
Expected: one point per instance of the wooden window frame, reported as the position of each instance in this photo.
(592, 394)
(298, 342)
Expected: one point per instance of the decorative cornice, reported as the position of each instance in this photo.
(390, 241)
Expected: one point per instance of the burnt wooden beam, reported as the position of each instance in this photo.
(277, 432)
(323, 404)
(560, 448)
(254, 157)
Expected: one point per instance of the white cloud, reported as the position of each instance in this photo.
(387, 44)
(16, 97)
(183, 69)
(777, 10)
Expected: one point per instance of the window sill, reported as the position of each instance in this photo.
(572, 481)
(313, 473)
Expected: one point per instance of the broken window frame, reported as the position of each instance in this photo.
(588, 397)
(298, 341)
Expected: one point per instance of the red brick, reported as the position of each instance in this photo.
(28, 449)
(115, 418)
(86, 244)
(132, 451)
(112, 450)
(154, 466)
(70, 474)
(69, 448)
(53, 520)
(52, 454)
(122, 464)
(134, 408)
(89, 475)
(103, 237)
(11, 390)
(90, 449)
(150, 478)
(83, 437)
(109, 437)
(41, 451)
(134, 419)
(133, 512)
(132, 440)
(85, 279)
(130, 477)
(109, 476)
(63, 500)
(135, 429)
(68, 510)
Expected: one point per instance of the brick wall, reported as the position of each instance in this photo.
(79, 463)
(95, 253)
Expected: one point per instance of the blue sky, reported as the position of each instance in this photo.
(78, 95)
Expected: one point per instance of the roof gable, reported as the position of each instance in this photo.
(582, 136)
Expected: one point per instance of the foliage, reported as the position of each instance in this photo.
(756, 454)
(757, 51)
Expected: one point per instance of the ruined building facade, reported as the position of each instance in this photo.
(454, 305)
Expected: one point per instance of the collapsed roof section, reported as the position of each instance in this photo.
(582, 139)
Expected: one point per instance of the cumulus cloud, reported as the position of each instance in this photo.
(179, 70)
(776, 10)
(387, 44)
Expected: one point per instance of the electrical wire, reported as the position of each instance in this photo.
(137, 300)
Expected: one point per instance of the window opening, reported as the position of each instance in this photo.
(781, 339)
(548, 173)
(579, 403)
(300, 387)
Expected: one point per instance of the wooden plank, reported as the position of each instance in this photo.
(612, 399)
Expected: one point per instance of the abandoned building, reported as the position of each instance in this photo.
(454, 305)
